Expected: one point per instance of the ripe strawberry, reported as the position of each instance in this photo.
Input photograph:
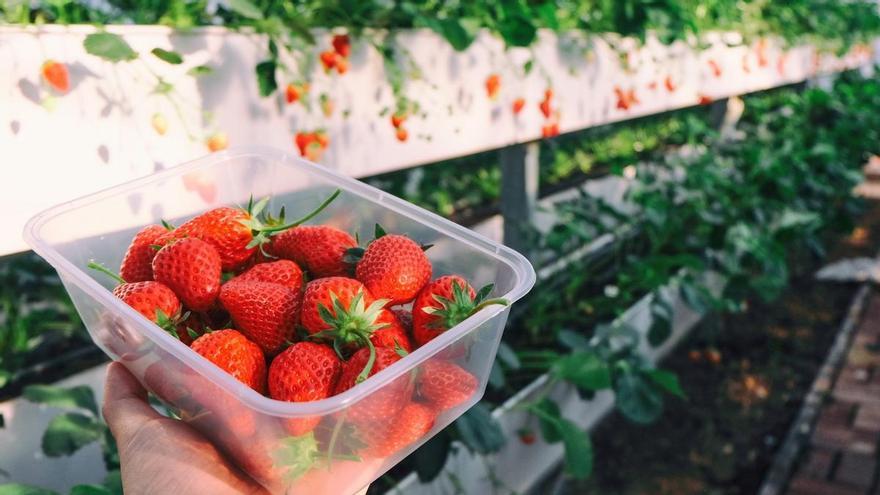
(401, 134)
(236, 233)
(341, 65)
(550, 130)
(548, 94)
(704, 99)
(191, 327)
(322, 139)
(445, 385)
(152, 299)
(493, 85)
(291, 93)
(714, 68)
(444, 303)
(159, 123)
(236, 355)
(761, 52)
(545, 108)
(394, 335)
(282, 272)
(191, 268)
(518, 105)
(394, 267)
(342, 45)
(263, 311)
(328, 60)
(320, 249)
(526, 436)
(303, 372)
(217, 141)
(55, 74)
(303, 140)
(137, 262)
(412, 423)
(382, 404)
(397, 119)
(670, 85)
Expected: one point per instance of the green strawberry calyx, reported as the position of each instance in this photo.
(263, 225)
(454, 311)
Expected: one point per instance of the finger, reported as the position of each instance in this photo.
(125, 403)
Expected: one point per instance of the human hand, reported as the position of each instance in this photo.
(164, 455)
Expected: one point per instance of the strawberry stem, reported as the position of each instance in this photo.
(106, 271)
(490, 302)
(369, 366)
(306, 218)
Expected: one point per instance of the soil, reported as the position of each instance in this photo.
(745, 376)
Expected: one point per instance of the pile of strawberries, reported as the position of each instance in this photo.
(301, 313)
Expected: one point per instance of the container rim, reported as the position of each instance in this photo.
(525, 279)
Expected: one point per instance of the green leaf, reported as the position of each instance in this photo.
(667, 380)
(693, 297)
(517, 29)
(547, 14)
(548, 414)
(200, 70)
(5, 375)
(80, 396)
(69, 432)
(245, 8)
(585, 370)
(578, 449)
(661, 320)
(636, 398)
(110, 47)
(508, 356)
(430, 458)
(479, 431)
(113, 480)
(19, 489)
(89, 490)
(573, 340)
(266, 77)
(460, 33)
(171, 57)
(497, 378)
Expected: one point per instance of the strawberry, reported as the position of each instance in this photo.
(714, 68)
(397, 119)
(236, 355)
(191, 268)
(217, 141)
(303, 140)
(411, 424)
(761, 52)
(159, 123)
(155, 301)
(393, 335)
(341, 65)
(265, 312)
(401, 134)
(704, 99)
(303, 372)
(670, 85)
(55, 74)
(493, 85)
(320, 249)
(550, 130)
(548, 94)
(444, 303)
(745, 64)
(445, 385)
(622, 101)
(138, 259)
(236, 233)
(191, 327)
(383, 403)
(394, 267)
(342, 45)
(545, 108)
(526, 436)
(282, 272)
(328, 60)
(291, 93)
(322, 139)
(518, 105)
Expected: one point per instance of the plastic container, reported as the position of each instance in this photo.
(251, 428)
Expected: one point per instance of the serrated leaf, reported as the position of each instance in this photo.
(69, 432)
(667, 380)
(636, 398)
(19, 489)
(578, 449)
(430, 458)
(459, 32)
(168, 56)
(245, 8)
(548, 414)
(266, 77)
(585, 370)
(80, 396)
(479, 431)
(110, 47)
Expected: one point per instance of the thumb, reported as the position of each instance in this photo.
(125, 403)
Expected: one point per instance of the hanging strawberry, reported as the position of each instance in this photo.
(56, 76)
(493, 85)
(217, 141)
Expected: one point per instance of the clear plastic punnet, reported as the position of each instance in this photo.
(252, 429)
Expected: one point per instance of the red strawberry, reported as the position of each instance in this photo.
(303, 141)
(291, 93)
(550, 130)
(328, 59)
(303, 372)
(341, 65)
(444, 303)
(412, 423)
(236, 355)
(548, 94)
(320, 249)
(265, 312)
(236, 233)
(397, 119)
(342, 45)
(322, 139)
(545, 108)
(154, 300)
(382, 404)
(401, 134)
(518, 105)
(283, 272)
(394, 335)
(394, 267)
(55, 74)
(715, 68)
(493, 84)
(670, 85)
(191, 268)
(704, 99)
(526, 436)
(137, 263)
(446, 385)
(191, 327)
